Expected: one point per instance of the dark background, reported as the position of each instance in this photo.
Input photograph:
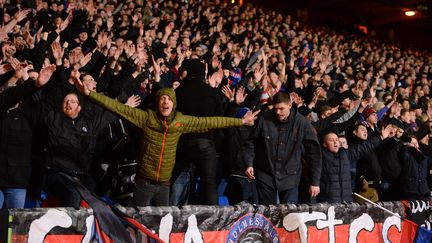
(384, 19)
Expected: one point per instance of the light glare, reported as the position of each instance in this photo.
(410, 13)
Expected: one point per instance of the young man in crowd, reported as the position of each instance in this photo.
(274, 152)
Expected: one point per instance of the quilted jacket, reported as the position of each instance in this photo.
(160, 135)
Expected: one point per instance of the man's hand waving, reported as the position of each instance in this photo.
(249, 118)
(75, 76)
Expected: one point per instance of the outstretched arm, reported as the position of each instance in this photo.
(199, 124)
(135, 116)
(13, 95)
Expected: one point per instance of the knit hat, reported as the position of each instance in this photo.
(195, 69)
(367, 112)
(170, 93)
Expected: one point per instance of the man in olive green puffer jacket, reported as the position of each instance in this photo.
(161, 132)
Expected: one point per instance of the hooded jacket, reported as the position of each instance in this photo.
(160, 134)
(197, 98)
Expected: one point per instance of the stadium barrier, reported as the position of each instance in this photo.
(240, 223)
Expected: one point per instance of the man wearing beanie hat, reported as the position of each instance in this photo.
(371, 119)
(368, 112)
(161, 131)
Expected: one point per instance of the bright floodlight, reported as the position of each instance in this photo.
(410, 13)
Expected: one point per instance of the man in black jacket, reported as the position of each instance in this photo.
(15, 139)
(274, 153)
(197, 98)
(71, 143)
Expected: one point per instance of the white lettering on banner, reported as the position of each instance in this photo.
(294, 221)
(330, 224)
(89, 226)
(39, 228)
(419, 206)
(363, 222)
(297, 221)
(165, 227)
(192, 233)
(389, 222)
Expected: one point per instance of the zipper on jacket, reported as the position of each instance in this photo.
(162, 149)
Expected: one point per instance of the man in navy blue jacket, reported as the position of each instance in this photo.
(335, 182)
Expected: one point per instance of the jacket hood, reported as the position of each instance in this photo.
(195, 70)
(170, 93)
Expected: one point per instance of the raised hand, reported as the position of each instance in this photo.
(75, 74)
(44, 75)
(294, 97)
(22, 14)
(129, 49)
(91, 8)
(65, 23)
(118, 52)
(249, 118)
(28, 38)
(57, 51)
(240, 95)
(216, 78)
(354, 104)
(4, 68)
(156, 66)
(385, 133)
(38, 34)
(102, 41)
(83, 61)
(133, 101)
(258, 73)
(16, 65)
(229, 93)
(169, 28)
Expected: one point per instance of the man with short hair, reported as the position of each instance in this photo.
(274, 152)
(336, 165)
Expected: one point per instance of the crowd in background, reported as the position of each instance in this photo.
(339, 112)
